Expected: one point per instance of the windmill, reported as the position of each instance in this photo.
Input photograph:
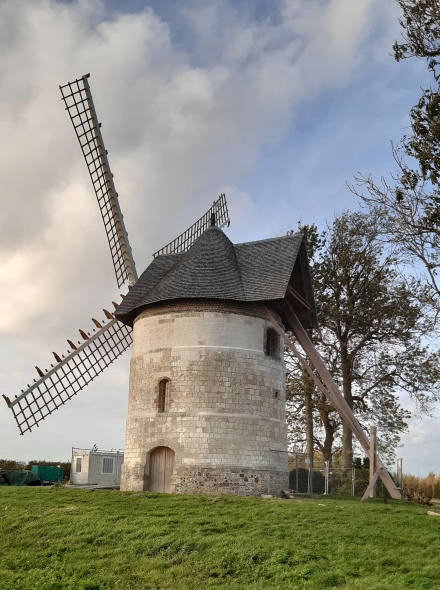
(207, 319)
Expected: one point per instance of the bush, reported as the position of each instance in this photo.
(10, 465)
(421, 489)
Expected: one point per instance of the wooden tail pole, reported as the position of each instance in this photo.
(329, 389)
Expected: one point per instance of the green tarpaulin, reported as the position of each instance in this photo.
(48, 473)
(21, 478)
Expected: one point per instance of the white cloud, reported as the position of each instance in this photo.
(419, 446)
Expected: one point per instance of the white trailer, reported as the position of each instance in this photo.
(96, 467)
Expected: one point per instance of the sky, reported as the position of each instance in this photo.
(278, 104)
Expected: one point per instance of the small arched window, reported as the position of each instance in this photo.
(272, 344)
(162, 403)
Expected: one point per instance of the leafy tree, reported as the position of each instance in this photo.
(408, 206)
(370, 336)
(420, 22)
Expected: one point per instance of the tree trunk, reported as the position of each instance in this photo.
(329, 430)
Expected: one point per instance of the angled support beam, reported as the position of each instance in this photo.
(329, 388)
(372, 484)
(298, 297)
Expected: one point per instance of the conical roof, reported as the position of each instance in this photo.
(209, 268)
(214, 268)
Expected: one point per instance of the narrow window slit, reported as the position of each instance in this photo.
(272, 344)
(162, 404)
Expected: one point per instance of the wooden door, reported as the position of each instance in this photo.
(161, 469)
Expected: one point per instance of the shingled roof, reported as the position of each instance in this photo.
(214, 268)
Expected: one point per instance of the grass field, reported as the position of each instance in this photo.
(58, 538)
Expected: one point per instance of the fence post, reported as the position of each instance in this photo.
(117, 468)
(309, 478)
(373, 470)
(399, 474)
(327, 473)
(296, 471)
(353, 477)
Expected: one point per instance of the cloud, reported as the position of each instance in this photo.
(165, 120)
(418, 445)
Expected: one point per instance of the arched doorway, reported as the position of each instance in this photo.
(161, 469)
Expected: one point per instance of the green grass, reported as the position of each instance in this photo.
(57, 538)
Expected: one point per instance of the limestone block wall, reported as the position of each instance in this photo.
(224, 416)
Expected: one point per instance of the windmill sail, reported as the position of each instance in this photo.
(217, 213)
(71, 374)
(79, 104)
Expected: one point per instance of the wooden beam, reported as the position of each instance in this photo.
(329, 388)
(305, 365)
(372, 484)
(298, 297)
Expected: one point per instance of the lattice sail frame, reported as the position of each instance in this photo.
(218, 213)
(81, 366)
(71, 374)
(78, 100)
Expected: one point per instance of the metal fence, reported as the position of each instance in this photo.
(323, 479)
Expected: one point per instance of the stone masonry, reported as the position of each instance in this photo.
(224, 417)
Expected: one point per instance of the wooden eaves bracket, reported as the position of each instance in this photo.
(329, 388)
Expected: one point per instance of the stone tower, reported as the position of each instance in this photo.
(206, 410)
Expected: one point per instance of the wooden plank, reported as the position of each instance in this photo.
(157, 470)
(161, 470)
(334, 400)
(298, 297)
(330, 389)
(372, 484)
(323, 372)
